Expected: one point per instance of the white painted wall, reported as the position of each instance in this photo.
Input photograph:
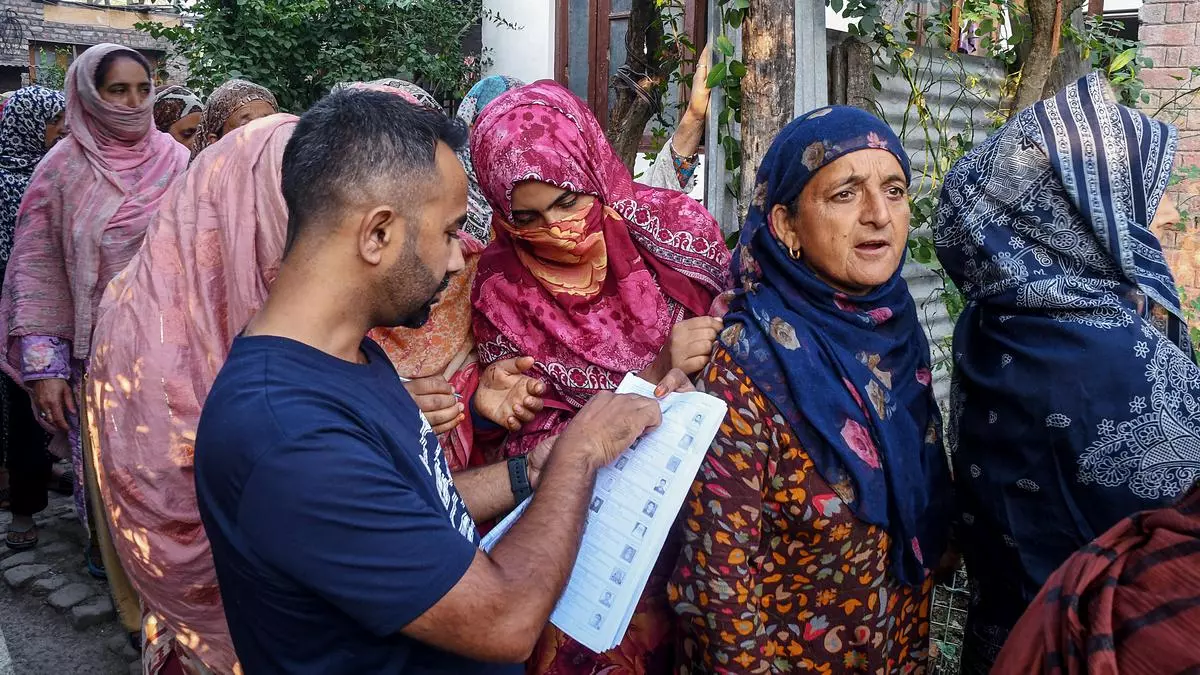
(526, 53)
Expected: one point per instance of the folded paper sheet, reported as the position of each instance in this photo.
(632, 511)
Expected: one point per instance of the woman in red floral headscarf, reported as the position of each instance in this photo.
(594, 276)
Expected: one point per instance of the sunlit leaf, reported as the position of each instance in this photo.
(724, 45)
(1122, 60)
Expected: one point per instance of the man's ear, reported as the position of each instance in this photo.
(379, 229)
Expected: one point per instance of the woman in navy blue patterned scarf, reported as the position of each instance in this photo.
(1075, 400)
(823, 504)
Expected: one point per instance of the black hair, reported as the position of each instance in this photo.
(108, 59)
(352, 138)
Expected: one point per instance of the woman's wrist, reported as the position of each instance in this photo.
(481, 422)
(686, 139)
(657, 369)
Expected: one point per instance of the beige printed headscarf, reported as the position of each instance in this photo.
(223, 102)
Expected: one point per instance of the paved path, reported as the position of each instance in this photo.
(54, 618)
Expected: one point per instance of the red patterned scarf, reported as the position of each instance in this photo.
(661, 259)
(1127, 604)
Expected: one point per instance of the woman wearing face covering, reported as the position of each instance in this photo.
(81, 220)
(594, 276)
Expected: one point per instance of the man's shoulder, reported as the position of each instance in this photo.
(264, 399)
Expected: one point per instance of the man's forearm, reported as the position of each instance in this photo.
(537, 554)
(486, 491)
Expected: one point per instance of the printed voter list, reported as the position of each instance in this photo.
(632, 511)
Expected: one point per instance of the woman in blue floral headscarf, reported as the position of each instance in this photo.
(1075, 400)
(823, 503)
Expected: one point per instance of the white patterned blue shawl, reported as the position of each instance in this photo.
(22, 146)
(1075, 400)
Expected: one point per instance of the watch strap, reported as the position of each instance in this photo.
(518, 478)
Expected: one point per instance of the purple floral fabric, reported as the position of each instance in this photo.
(44, 357)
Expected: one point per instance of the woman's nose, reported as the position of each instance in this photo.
(875, 209)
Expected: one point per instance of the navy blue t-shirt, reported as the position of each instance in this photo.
(332, 516)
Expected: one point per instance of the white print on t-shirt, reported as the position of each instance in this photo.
(434, 461)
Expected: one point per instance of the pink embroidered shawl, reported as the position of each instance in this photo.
(163, 331)
(666, 257)
(85, 213)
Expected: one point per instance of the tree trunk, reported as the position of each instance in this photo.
(1045, 17)
(1069, 65)
(639, 85)
(769, 87)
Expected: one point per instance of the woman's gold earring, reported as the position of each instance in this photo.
(796, 254)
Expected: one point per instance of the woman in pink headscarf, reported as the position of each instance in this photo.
(162, 333)
(594, 276)
(81, 220)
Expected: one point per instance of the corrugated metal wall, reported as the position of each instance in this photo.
(940, 77)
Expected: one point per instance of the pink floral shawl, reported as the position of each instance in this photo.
(665, 255)
(162, 334)
(85, 213)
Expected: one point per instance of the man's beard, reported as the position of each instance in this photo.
(420, 317)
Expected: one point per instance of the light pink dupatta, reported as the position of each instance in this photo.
(164, 329)
(84, 213)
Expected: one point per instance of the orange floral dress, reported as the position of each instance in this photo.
(776, 575)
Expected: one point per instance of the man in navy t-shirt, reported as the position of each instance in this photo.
(341, 543)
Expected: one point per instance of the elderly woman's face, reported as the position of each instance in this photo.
(850, 224)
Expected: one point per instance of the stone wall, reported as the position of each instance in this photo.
(66, 23)
(1170, 35)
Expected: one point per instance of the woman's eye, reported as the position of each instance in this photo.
(844, 196)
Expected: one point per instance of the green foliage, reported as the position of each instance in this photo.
(52, 73)
(676, 50)
(1191, 312)
(727, 73)
(1105, 50)
(299, 49)
(1183, 174)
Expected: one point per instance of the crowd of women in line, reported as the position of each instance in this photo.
(825, 510)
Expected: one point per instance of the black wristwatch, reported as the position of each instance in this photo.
(518, 478)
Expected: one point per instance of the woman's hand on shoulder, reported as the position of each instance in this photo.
(506, 396)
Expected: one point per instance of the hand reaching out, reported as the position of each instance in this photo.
(508, 397)
(688, 348)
